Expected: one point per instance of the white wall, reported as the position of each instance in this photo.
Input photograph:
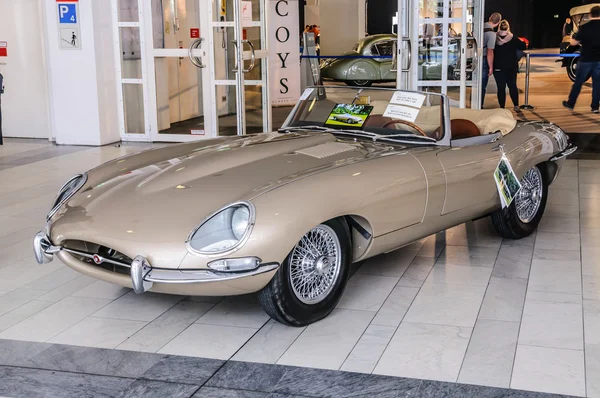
(25, 102)
(342, 24)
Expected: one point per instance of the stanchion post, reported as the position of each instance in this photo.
(1, 92)
(526, 105)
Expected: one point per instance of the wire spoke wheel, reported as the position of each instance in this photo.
(315, 264)
(529, 198)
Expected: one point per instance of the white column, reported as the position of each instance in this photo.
(82, 82)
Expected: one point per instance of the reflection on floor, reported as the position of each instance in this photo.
(461, 306)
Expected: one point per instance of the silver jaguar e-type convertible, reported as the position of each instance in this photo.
(285, 213)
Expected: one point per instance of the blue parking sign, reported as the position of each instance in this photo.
(67, 13)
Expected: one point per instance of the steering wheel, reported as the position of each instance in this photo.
(409, 124)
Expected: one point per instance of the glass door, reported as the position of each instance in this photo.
(238, 41)
(445, 50)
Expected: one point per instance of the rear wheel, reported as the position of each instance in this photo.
(522, 217)
(572, 68)
(359, 83)
(312, 278)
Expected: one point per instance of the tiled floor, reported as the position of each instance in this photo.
(461, 306)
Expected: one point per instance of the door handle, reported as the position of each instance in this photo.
(499, 147)
(252, 56)
(196, 44)
(407, 40)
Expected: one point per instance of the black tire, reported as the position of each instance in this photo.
(359, 83)
(507, 222)
(572, 69)
(279, 300)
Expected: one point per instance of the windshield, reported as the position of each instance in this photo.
(369, 112)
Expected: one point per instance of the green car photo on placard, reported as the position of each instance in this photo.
(507, 182)
(349, 115)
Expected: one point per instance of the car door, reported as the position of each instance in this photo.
(385, 48)
(469, 175)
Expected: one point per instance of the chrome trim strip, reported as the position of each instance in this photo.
(562, 154)
(235, 247)
(89, 255)
(56, 206)
(203, 276)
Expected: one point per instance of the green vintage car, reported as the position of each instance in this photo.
(363, 72)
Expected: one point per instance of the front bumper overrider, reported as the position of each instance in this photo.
(143, 275)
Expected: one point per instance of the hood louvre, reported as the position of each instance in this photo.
(326, 150)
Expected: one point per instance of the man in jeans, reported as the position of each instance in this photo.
(588, 64)
(489, 44)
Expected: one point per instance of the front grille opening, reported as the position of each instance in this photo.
(103, 251)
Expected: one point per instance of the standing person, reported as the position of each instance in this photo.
(567, 27)
(588, 64)
(489, 44)
(428, 33)
(506, 64)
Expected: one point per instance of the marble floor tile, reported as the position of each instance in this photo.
(53, 320)
(43, 383)
(99, 361)
(157, 389)
(555, 276)
(21, 272)
(19, 353)
(557, 241)
(16, 298)
(589, 176)
(433, 245)
(550, 297)
(368, 350)
(504, 300)
(590, 261)
(425, 351)
(490, 355)
(469, 256)
(209, 341)
(53, 280)
(590, 221)
(563, 182)
(367, 292)
(592, 370)
(166, 327)
(550, 370)
(559, 225)
(475, 234)
(563, 196)
(134, 307)
(558, 255)
(590, 237)
(21, 313)
(562, 211)
(552, 325)
(269, 343)
(241, 311)
(459, 275)
(185, 370)
(513, 262)
(589, 191)
(101, 289)
(327, 343)
(417, 272)
(67, 289)
(393, 264)
(395, 306)
(443, 304)
(591, 287)
(99, 332)
(591, 317)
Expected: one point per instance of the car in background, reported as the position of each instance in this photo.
(579, 15)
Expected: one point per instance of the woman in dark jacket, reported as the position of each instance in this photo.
(506, 64)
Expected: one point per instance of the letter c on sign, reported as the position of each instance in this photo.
(277, 8)
(287, 32)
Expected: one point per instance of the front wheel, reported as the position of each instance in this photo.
(572, 69)
(312, 278)
(522, 217)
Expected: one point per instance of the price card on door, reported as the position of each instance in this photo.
(246, 13)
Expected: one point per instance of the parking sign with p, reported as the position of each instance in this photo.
(67, 13)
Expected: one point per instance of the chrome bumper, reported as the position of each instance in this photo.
(143, 275)
(570, 149)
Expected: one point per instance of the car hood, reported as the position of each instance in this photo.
(161, 195)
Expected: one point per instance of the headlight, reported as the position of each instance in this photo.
(223, 231)
(66, 192)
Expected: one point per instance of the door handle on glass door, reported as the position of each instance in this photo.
(196, 44)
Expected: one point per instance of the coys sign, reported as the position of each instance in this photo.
(284, 49)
